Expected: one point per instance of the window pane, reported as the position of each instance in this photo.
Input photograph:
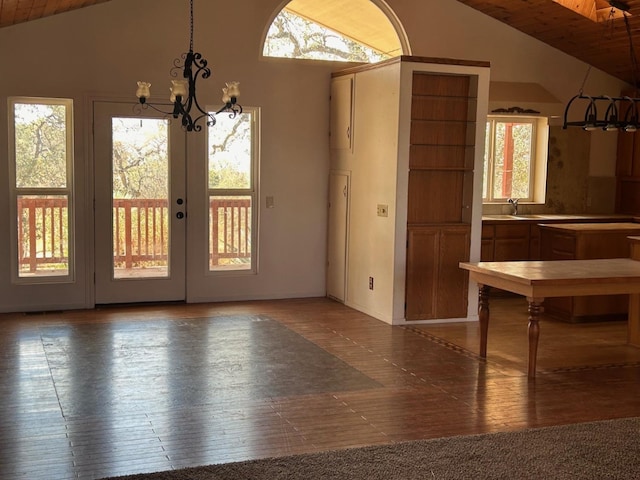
(43, 235)
(498, 161)
(140, 198)
(230, 152)
(512, 159)
(41, 145)
(296, 36)
(522, 158)
(486, 170)
(230, 232)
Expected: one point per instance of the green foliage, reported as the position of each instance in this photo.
(140, 158)
(230, 153)
(40, 145)
(497, 162)
(292, 36)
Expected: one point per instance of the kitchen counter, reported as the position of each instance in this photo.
(563, 218)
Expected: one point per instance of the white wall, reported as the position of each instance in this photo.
(104, 49)
(373, 181)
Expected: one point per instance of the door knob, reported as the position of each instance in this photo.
(179, 215)
(179, 201)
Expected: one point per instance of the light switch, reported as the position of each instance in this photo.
(270, 202)
(383, 210)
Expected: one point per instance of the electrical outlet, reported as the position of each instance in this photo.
(270, 202)
(370, 283)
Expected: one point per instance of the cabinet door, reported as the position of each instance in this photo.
(453, 282)
(511, 243)
(436, 286)
(422, 273)
(341, 113)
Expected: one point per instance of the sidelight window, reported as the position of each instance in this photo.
(41, 151)
(232, 167)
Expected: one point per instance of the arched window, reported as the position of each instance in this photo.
(335, 30)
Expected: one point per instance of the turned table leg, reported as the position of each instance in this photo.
(535, 308)
(483, 316)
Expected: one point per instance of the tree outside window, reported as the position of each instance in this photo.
(509, 159)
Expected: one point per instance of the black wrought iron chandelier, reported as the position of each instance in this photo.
(183, 90)
(615, 113)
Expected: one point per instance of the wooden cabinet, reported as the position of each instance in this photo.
(580, 242)
(511, 242)
(436, 285)
(441, 158)
(519, 239)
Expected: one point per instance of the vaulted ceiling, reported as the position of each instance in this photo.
(604, 45)
(18, 11)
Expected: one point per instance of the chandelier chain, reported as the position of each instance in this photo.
(191, 25)
(607, 26)
(632, 53)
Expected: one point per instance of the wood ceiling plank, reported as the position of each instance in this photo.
(569, 31)
(8, 12)
(18, 11)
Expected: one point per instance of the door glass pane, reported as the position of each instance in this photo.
(43, 235)
(41, 145)
(230, 236)
(140, 199)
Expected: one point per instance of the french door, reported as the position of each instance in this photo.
(140, 206)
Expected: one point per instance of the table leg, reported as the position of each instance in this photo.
(483, 316)
(535, 308)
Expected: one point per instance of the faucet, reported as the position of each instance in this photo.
(514, 204)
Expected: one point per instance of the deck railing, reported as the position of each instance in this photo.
(230, 229)
(43, 232)
(140, 231)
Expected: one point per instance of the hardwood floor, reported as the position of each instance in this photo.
(114, 391)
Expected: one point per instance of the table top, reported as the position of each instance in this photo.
(558, 278)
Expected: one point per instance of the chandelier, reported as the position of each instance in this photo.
(183, 90)
(616, 113)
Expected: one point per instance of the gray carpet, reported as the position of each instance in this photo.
(598, 450)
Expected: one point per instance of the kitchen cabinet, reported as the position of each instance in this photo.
(511, 242)
(509, 238)
(580, 241)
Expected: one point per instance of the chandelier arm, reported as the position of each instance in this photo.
(139, 107)
(566, 123)
(633, 108)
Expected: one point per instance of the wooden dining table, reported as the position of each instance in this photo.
(537, 280)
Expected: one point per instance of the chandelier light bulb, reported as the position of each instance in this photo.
(144, 90)
(178, 89)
